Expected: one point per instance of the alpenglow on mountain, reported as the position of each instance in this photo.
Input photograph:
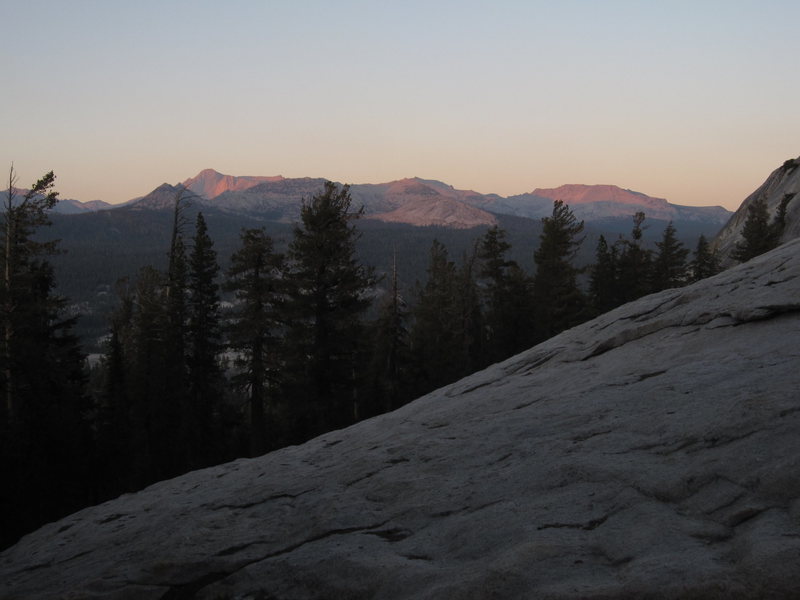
(424, 202)
(413, 201)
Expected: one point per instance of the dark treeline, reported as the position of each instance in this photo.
(203, 365)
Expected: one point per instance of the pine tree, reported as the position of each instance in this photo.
(113, 405)
(634, 264)
(23, 266)
(669, 265)
(328, 295)
(155, 417)
(520, 310)
(494, 264)
(44, 434)
(758, 236)
(603, 278)
(559, 303)
(205, 378)
(255, 277)
(147, 382)
(112, 422)
(778, 224)
(508, 310)
(435, 336)
(471, 328)
(705, 263)
(177, 408)
(389, 366)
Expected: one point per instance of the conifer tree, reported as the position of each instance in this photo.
(705, 262)
(389, 366)
(113, 407)
(494, 264)
(155, 416)
(471, 329)
(435, 333)
(634, 264)
(23, 266)
(44, 435)
(327, 297)
(175, 375)
(255, 278)
(508, 317)
(520, 309)
(559, 303)
(758, 236)
(603, 278)
(205, 376)
(778, 224)
(669, 265)
(148, 394)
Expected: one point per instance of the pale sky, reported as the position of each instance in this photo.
(693, 101)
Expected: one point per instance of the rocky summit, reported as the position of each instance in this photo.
(653, 452)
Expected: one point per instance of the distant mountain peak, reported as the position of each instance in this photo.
(210, 183)
(160, 198)
(578, 193)
(412, 186)
(426, 203)
(209, 173)
(592, 202)
(166, 187)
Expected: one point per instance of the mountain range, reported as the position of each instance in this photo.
(413, 201)
(105, 243)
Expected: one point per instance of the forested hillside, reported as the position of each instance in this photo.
(100, 248)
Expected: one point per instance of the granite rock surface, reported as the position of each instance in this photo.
(781, 186)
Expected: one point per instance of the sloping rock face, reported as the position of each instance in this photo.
(653, 452)
(782, 184)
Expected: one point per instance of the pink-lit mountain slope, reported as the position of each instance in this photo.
(411, 201)
(417, 202)
(423, 202)
(593, 202)
(587, 194)
(209, 183)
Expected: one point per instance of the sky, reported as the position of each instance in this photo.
(692, 101)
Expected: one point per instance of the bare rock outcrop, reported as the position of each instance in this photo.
(782, 185)
(653, 452)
